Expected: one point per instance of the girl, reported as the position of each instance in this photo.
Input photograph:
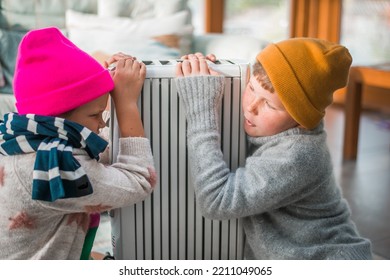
(52, 185)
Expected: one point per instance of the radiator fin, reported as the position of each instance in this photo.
(168, 225)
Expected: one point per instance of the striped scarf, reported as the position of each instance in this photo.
(57, 174)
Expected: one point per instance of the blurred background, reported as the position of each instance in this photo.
(166, 29)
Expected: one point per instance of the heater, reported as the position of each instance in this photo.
(168, 225)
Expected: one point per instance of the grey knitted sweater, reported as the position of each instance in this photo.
(286, 194)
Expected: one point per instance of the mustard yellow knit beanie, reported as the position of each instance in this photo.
(305, 72)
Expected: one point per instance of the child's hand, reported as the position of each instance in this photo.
(114, 58)
(195, 65)
(128, 75)
(199, 55)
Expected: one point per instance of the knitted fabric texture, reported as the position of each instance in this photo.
(57, 174)
(53, 76)
(285, 195)
(305, 72)
(194, 109)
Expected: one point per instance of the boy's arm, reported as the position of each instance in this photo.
(221, 193)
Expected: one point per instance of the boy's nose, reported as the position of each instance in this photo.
(253, 105)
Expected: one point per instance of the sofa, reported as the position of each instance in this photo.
(147, 29)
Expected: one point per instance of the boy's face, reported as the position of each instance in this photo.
(90, 114)
(264, 113)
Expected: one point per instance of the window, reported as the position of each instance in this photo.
(265, 19)
(365, 30)
(197, 13)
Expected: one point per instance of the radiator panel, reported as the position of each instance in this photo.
(168, 225)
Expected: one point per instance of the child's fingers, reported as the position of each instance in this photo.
(195, 68)
(120, 63)
(112, 59)
(123, 56)
(138, 67)
(179, 71)
(195, 64)
(142, 70)
(131, 64)
(116, 57)
(211, 57)
(134, 64)
(186, 67)
(199, 55)
(203, 67)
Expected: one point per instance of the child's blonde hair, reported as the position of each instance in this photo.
(262, 77)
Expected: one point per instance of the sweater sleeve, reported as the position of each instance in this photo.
(266, 182)
(201, 96)
(127, 181)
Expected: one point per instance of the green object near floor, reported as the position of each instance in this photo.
(90, 236)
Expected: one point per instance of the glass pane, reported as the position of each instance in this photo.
(197, 13)
(264, 19)
(366, 30)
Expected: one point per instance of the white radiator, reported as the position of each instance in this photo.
(168, 225)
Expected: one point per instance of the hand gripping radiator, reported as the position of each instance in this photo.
(168, 225)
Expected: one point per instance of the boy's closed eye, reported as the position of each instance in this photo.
(94, 116)
(97, 115)
(269, 105)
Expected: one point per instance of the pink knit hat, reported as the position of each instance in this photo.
(53, 76)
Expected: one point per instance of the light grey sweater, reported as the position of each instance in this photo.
(33, 229)
(286, 194)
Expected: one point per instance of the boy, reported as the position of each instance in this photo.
(286, 194)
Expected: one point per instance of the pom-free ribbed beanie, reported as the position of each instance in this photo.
(305, 72)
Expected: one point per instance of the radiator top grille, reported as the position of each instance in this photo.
(166, 68)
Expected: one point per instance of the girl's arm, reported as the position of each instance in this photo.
(128, 75)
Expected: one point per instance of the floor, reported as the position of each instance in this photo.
(365, 182)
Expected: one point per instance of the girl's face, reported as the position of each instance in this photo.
(90, 114)
(264, 113)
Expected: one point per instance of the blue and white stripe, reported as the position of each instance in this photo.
(57, 174)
